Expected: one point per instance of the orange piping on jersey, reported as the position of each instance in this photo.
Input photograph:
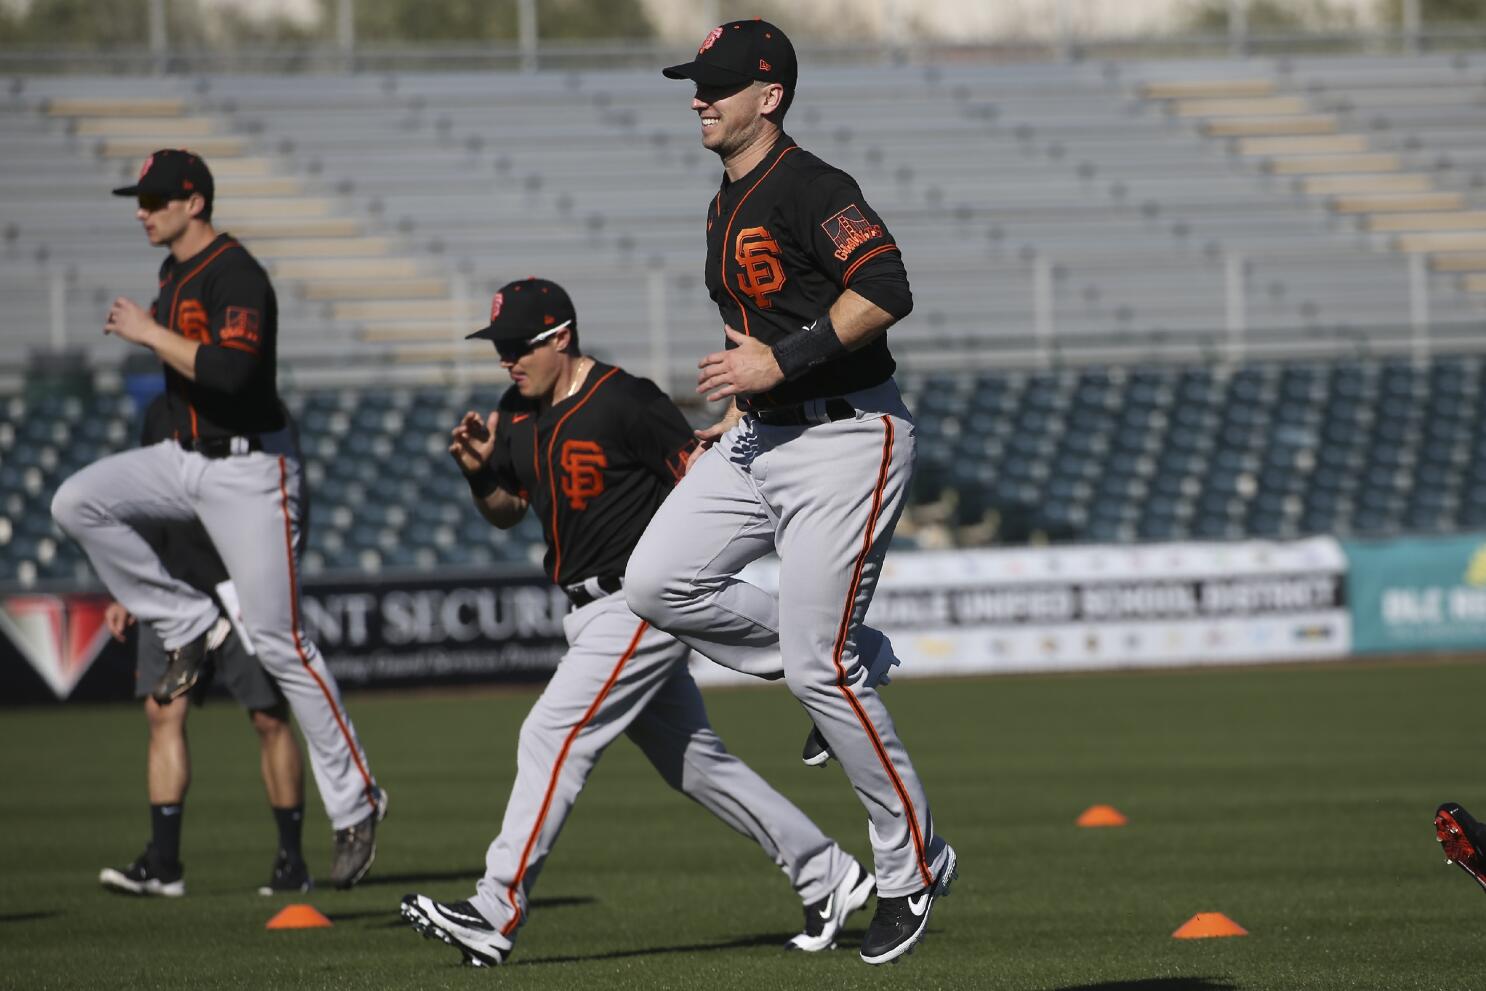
(239, 346)
(856, 707)
(552, 475)
(562, 756)
(845, 279)
(330, 700)
(728, 231)
(536, 446)
(175, 301)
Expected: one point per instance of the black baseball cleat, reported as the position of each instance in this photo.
(899, 923)
(817, 752)
(356, 846)
(1464, 840)
(183, 664)
(145, 877)
(825, 919)
(460, 925)
(287, 875)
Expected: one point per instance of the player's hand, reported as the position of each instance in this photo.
(745, 370)
(129, 321)
(708, 436)
(473, 440)
(117, 619)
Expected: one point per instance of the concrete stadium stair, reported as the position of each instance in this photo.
(309, 246)
(1282, 134)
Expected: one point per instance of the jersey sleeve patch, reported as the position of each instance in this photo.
(849, 229)
(241, 327)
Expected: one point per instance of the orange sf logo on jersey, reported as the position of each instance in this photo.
(756, 250)
(583, 462)
(192, 323)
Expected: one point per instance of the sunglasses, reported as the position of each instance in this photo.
(150, 202)
(516, 350)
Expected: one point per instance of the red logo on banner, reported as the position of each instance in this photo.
(60, 636)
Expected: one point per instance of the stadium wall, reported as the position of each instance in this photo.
(967, 612)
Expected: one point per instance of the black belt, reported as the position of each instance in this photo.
(222, 447)
(582, 593)
(800, 415)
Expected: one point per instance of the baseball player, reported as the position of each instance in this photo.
(1464, 840)
(231, 465)
(593, 451)
(812, 459)
(188, 555)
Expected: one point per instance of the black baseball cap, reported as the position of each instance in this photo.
(525, 309)
(740, 52)
(172, 173)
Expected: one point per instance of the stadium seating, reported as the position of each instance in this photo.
(389, 206)
(1360, 447)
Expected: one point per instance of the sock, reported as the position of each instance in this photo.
(165, 833)
(291, 824)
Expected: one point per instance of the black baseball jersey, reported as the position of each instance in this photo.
(594, 467)
(222, 299)
(783, 242)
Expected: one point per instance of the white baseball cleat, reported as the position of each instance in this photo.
(825, 919)
(459, 925)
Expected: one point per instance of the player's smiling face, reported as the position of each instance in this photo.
(732, 117)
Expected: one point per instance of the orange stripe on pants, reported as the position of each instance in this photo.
(841, 683)
(562, 756)
(371, 791)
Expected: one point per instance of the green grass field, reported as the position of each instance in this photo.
(1297, 801)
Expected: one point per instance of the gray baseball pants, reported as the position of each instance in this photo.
(621, 675)
(826, 497)
(249, 505)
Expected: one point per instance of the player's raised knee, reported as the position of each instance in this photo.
(68, 505)
(648, 591)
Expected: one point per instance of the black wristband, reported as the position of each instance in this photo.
(482, 481)
(801, 351)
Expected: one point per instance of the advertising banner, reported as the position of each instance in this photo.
(948, 612)
(1423, 593)
(1088, 607)
(412, 631)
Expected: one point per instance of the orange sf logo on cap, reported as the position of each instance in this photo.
(495, 305)
(710, 40)
(146, 166)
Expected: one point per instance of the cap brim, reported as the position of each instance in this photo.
(146, 189)
(706, 74)
(483, 334)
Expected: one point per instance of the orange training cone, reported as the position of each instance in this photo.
(1205, 925)
(1102, 815)
(299, 917)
